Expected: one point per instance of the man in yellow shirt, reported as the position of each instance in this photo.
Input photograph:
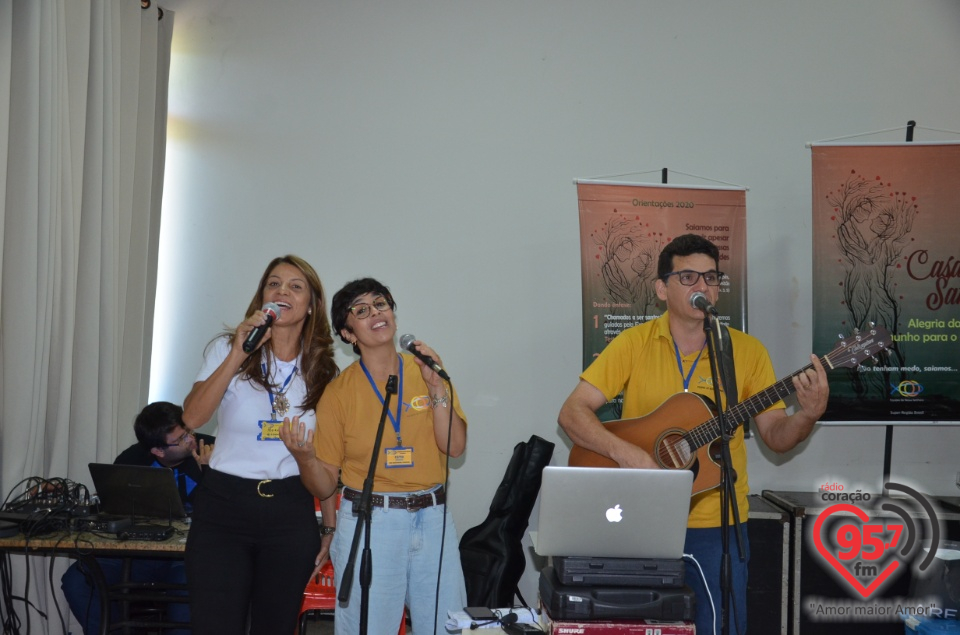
(655, 360)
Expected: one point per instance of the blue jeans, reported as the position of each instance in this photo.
(84, 599)
(705, 546)
(405, 549)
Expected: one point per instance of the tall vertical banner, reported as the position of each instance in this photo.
(886, 218)
(623, 228)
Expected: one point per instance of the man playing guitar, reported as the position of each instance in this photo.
(659, 358)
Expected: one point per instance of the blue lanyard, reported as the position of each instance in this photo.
(686, 380)
(283, 388)
(395, 420)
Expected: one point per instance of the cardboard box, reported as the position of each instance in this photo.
(617, 627)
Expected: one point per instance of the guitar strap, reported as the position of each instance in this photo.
(729, 378)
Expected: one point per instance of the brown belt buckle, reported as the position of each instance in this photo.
(421, 501)
(262, 495)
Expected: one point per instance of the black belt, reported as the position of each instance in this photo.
(251, 487)
(409, 502)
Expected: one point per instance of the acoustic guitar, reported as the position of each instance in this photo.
(681, 433)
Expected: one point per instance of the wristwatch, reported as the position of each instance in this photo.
(326, 531)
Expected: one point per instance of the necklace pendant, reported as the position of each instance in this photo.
(281, 405)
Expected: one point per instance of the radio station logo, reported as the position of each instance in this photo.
(867, 546)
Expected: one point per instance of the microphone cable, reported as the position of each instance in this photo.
(706, 587)
(446, 506)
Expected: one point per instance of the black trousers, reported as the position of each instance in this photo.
(250, 550)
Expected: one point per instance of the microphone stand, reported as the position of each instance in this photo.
(728, 496)
(362, 508)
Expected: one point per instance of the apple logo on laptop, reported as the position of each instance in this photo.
(614, 514)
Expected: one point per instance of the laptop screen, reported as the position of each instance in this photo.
(613, 512)
(137, 491)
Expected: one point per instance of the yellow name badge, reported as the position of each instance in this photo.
(269, 431)
(399, 456)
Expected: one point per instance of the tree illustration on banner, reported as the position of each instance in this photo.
(872, 223)
(629, 254)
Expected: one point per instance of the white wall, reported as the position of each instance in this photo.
(433, 145)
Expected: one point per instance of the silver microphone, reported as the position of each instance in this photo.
(699, 301)
(406, 343)
(272, 312)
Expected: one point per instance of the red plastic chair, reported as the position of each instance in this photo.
(320, 596)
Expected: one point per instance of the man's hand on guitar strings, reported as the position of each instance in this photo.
(812, 389)
(630, 455)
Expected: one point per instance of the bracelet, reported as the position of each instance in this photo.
(441, 401)
(326, 531)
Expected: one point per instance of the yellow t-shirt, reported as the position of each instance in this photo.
(642, 363)
(347, 419)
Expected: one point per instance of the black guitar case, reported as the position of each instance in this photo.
(490, 553)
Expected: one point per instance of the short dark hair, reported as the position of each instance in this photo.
(685, 245)
(345, 297)
(155, 422)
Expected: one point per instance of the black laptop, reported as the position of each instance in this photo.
(141, 494)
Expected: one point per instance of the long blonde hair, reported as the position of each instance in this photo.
(316, 339)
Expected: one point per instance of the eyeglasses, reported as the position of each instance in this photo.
(181, 439)
(689, 278)
(362, 310)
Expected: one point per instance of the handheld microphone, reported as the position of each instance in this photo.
(509, 618)
(406, 343)
(699, 301)
(273, 311)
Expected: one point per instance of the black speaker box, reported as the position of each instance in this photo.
(811, 581)
(768, 576)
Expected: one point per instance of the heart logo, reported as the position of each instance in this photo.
(829, 556)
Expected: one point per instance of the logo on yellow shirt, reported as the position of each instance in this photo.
(420, 403)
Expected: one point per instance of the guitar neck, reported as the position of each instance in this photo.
(708, 431)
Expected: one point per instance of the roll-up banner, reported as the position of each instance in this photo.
(886, 223)
(623, 228)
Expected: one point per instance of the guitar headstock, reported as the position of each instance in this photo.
(851, 352)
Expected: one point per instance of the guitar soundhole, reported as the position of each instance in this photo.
(673, 451)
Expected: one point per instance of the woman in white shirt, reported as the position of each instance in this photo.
(254, 541)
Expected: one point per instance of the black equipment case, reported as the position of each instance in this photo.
(645, 572)
(575, 602)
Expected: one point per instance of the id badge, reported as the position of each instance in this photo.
(269, 430)
(399, 456)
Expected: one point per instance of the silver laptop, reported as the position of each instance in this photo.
(613, 512)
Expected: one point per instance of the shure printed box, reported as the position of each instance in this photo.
(618, 627)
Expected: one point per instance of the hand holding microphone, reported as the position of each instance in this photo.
(272, 311)
(407, 344)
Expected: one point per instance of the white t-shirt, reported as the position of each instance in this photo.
(247, 442)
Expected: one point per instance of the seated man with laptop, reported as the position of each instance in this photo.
(653, 361)
(162, 442)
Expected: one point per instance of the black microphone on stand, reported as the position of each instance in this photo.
(406, 343)
(273, 311)
(699, 301)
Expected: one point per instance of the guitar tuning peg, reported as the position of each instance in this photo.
(856, 331)
(840, 336)
(873, 325)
